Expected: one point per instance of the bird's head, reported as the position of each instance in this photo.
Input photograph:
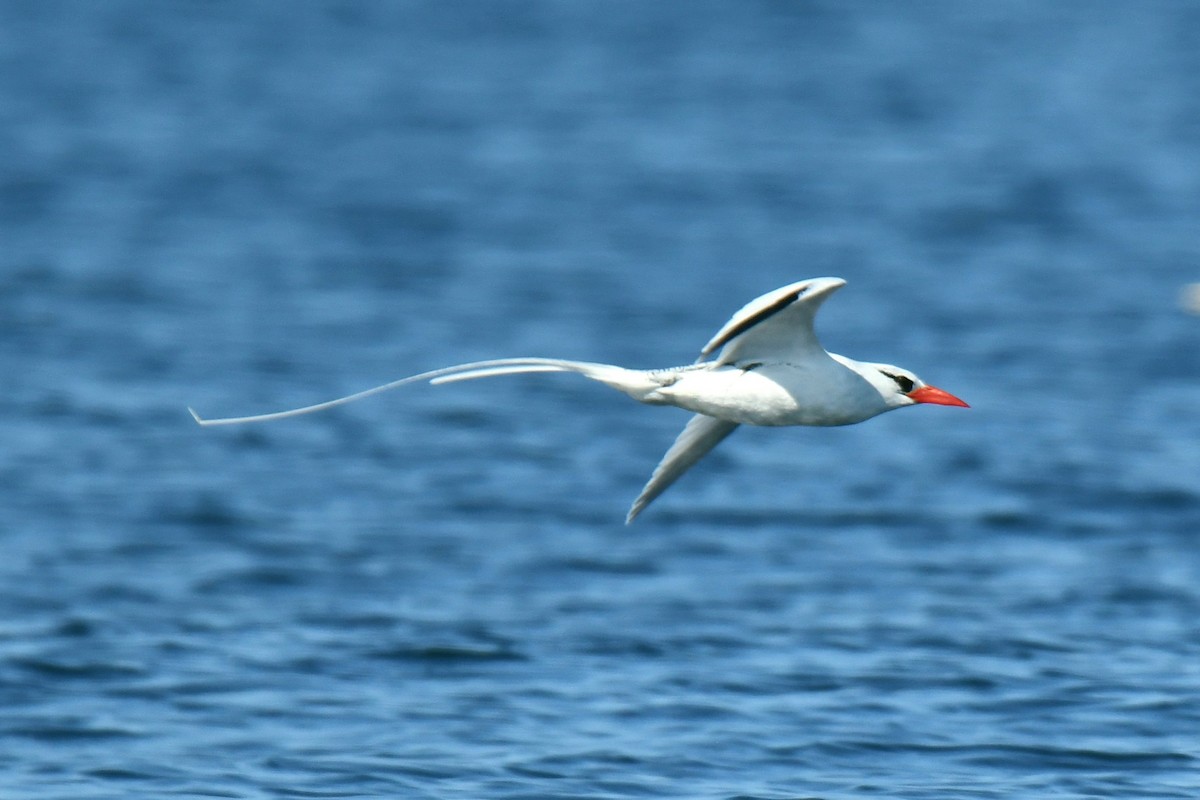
(899, 387)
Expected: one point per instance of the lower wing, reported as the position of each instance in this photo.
(699, 436)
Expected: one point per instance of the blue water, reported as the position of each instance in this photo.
(431, 594)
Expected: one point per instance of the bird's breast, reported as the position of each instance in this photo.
(776, 394)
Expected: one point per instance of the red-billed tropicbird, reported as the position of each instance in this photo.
(771, 370)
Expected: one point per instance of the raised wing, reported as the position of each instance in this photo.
(777, 325)
(699, 436)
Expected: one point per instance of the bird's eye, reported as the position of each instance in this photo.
(903, 381)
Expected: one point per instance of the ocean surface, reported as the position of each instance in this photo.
(246, 207)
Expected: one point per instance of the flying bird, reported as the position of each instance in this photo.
(769, 369)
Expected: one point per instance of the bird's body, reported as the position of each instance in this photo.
(815, 392)
(771, 370)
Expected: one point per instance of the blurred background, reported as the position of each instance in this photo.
(249, 207)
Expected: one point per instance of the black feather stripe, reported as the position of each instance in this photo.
(750, 322)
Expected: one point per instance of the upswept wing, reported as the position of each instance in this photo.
(699, 436)
(776, 326)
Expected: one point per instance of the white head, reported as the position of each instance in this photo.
(898, 387)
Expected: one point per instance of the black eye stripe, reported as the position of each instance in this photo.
(903, 381)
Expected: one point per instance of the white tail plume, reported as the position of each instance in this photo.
(635, 383)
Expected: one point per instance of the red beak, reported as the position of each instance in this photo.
(936, 396)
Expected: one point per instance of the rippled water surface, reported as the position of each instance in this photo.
(431, 594)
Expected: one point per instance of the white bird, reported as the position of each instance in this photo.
(771, 370)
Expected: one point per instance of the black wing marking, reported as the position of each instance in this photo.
(751, 321)
(776, 325)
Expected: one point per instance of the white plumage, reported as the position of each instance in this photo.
(770, 370)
